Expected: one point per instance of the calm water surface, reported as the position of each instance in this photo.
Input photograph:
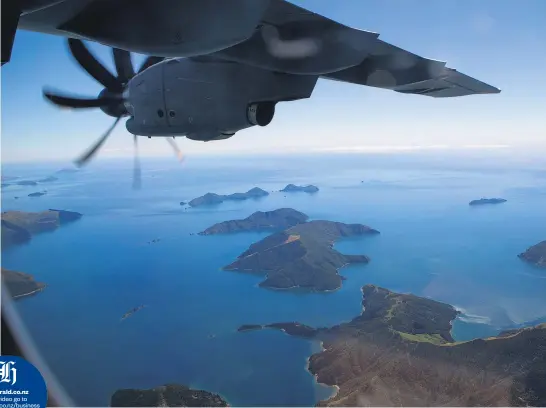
(431, 244)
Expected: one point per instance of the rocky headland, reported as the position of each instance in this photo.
(19, 226)
(535, 254)
(20, 284)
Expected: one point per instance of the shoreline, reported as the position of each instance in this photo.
(335, 387)
(29, 293)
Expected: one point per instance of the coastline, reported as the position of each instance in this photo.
(29, 293)
(335, 387)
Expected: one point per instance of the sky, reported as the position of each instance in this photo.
(500, 42)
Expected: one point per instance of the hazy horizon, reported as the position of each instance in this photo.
(475, 40)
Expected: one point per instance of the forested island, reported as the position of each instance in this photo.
(301, 256)
(484, 201)
(212, 198)
(292, 188)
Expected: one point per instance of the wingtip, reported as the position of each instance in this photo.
(493, 90)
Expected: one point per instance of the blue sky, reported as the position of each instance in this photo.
(498, 41)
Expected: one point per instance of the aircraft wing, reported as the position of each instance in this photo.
(271, 34)
(393, 68)
(299, 41)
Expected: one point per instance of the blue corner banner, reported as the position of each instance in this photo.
(21, 384)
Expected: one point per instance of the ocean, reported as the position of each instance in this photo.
(432, 244)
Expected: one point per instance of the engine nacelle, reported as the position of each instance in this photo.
(208, 99)
(261, 113)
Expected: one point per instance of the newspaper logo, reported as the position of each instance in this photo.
(8, 373)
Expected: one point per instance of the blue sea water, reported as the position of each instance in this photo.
(431, 244)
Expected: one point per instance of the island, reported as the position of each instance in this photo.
(19, 226)
(67, 170)
(170, 395)
(20, 284)
(292, 188)
(399, 352)
(26, 183)
(132, 311)
(281, 218)
(212, 198)
(484, 201)
(299, 257)
(535, 254)
(38, 194)
(249, 327)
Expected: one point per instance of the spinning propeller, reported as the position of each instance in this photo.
(110, 100)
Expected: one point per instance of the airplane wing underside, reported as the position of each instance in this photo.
(393, 68)
(337, 52)
(271, 34)
(380, 64)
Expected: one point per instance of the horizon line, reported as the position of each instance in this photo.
(337, 150)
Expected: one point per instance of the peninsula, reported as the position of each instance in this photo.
(399, 352)
(301, 256)
(483, 201)
(19, 226)
(20, 284)
(212, 198)
(170, 395)
(281, 218)
(292, 188)
(535, 254)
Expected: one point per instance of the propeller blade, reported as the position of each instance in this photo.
(149, 62)
(124, 65)
(74, 102)
(137, 174)
(88, 155)
(93, 66)
(177, 151)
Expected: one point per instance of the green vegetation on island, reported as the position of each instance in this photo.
(212, 198)
(535, 254)
(170, 395)
(20, 284)
(399, 352)
(19, 226)
(301, 256)
(259, 221)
